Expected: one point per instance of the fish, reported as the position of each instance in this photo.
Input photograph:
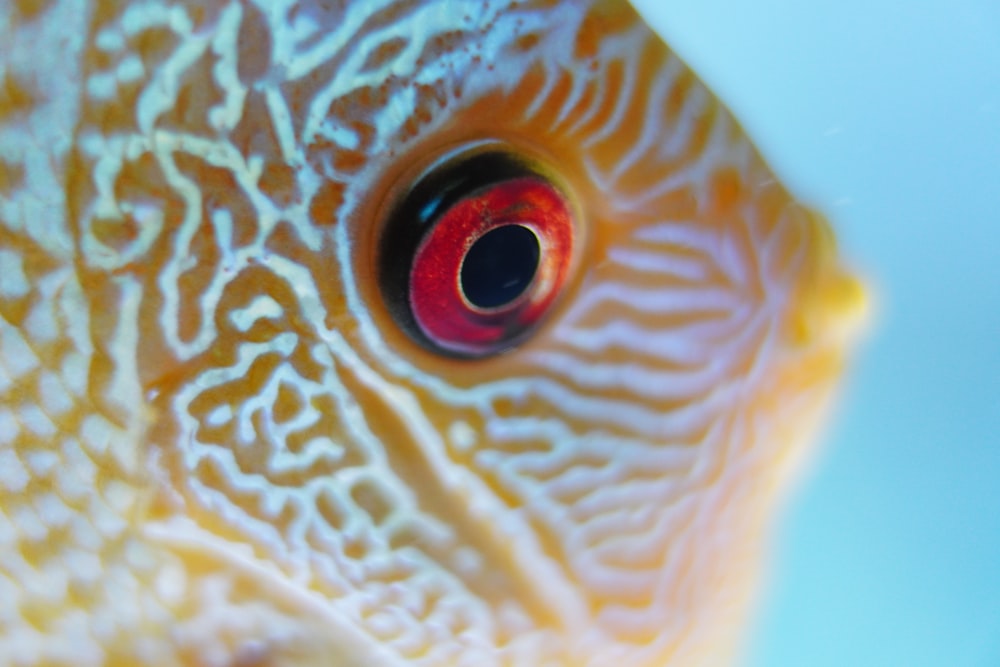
(402, 332)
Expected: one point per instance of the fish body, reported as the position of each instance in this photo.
(229, 436)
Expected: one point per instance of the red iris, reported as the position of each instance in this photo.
(491, 265)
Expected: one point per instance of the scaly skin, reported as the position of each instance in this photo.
(218, 448)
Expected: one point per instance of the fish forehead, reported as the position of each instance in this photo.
(279, 473)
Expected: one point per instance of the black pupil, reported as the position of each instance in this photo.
(499, 266)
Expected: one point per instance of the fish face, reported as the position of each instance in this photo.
(260, 407)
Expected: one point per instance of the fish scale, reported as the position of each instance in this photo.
(217, 445)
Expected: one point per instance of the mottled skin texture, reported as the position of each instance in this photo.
(218, 448)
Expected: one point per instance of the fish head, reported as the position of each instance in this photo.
(303, 425)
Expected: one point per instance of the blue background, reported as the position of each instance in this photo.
(885, 115)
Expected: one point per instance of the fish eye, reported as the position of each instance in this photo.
(476, 253)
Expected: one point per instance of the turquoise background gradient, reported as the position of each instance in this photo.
(886, 116)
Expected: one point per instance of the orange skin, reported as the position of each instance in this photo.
(219, 445)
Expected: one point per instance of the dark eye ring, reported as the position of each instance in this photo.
(476, 253)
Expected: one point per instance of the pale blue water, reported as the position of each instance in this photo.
(886, 115)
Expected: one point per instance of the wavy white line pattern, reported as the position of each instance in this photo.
(217, 447)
